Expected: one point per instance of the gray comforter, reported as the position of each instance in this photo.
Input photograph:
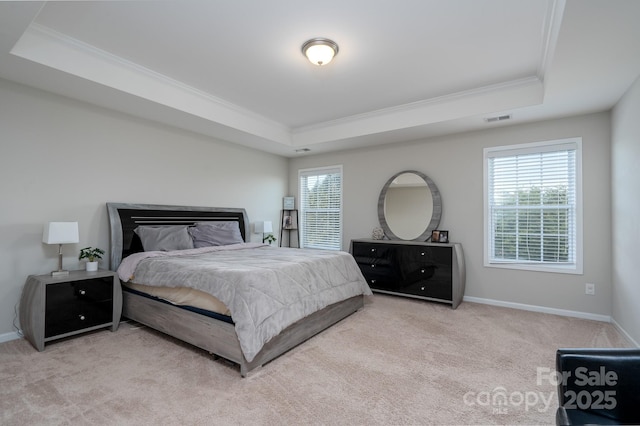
(265, 288)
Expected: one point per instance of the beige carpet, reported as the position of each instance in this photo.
(397, 361)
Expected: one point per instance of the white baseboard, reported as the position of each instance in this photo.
(624, 333)
(543, 309)
(6, 337)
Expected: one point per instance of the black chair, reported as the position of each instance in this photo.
(598, 386)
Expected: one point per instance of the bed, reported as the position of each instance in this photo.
(227, 335)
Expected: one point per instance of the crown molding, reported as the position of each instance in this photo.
(417, 105)
(59, 51)
(551, 30)
(488, 99)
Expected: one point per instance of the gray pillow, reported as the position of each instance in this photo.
(206, 234)
(164, 238)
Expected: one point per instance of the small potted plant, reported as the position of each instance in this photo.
(269, 238)
(92, 255)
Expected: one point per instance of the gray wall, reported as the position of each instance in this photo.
(61, 160)
(625, 147)
(455, 165)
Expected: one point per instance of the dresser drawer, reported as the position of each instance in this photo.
(380, 275)
(436, 289)
(371, 250)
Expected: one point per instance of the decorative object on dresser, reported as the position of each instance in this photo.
(55, 307)
(409, 206)
(421, 270)
(92, 255)
(60, 233)
(377, 233)
(288, 226)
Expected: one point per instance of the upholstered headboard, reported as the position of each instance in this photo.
(124, 218)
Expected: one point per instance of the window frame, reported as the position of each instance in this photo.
(527, 148)
(302, 226)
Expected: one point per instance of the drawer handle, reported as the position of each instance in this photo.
(422, 270)
(422, 254)
(373, 281)
(81, 317)
(422, 288)
(373, 265)
(373, 250)
(82, 293)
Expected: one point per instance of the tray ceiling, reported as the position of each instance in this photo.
(406, 70)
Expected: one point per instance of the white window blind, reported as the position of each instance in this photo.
(532, 206)
(321, 208)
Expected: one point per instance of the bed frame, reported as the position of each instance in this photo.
(216, 336)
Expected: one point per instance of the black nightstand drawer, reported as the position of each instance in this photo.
(72, 306)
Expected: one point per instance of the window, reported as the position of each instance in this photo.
(321, 208)
(533, 207)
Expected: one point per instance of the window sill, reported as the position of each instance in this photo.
(570, 269)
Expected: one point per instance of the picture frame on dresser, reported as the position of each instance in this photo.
(439, 236)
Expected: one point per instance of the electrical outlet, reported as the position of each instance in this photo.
(590, 289)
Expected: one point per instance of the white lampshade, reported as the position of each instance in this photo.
(61, 233)
(264, 227)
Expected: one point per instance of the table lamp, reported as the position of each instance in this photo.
(265, 227)
(60, 233)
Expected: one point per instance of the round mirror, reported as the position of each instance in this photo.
(409, 206)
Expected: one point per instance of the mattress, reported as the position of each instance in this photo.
(183, 296)
(205, 312)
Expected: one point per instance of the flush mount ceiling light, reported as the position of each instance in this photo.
(320, 51)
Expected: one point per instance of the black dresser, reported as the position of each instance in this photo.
(430, 271)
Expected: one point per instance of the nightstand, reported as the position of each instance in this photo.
(56, 307)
